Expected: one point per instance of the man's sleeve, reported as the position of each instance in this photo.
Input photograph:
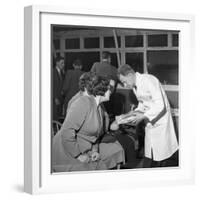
(66, 83)
(55, 85)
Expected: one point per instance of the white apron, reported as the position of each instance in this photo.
(160, 137)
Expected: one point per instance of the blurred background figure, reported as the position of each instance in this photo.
(58, 77)
(104, 68)
(71, 82)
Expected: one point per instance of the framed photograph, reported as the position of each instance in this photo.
(69, 143)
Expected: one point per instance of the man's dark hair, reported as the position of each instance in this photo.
(58, 58)
(77, 62)
(125, 70)
(106, 55)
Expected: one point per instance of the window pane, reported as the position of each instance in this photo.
(56, 44)
(109, 42)
(164, 65)
(157, 40)
(135, 60)
(173, 98)
(134, 41)
(72, 43)
(175, 40)
(91, 43)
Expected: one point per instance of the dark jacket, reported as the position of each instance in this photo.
(105, 69)
(57, 93)
(70, 85)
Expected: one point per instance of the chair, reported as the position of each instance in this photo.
(56, 125)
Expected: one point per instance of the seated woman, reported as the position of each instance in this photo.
(77, 147)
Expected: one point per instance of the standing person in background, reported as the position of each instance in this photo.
(58, 78)
(160, 139)
(104, 68)
(70, 85)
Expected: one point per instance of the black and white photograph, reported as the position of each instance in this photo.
(109, 99)
(114, 98)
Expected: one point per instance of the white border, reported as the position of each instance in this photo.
(38, 178)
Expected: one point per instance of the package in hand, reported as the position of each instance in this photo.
(126, 118)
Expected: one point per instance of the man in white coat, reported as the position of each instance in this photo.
(160, 138)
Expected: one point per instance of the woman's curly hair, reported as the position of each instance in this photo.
(85, 79)
(94, 84)
(98, 86)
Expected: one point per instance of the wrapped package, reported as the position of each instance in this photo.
(126, 118)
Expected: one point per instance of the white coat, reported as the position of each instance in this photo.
(160, 137)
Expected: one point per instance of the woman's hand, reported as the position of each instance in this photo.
(114, 126)
(84, 158)
(95, 156)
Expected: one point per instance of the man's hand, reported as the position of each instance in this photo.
(84, 158)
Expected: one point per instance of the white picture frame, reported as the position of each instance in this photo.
(37, 173)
